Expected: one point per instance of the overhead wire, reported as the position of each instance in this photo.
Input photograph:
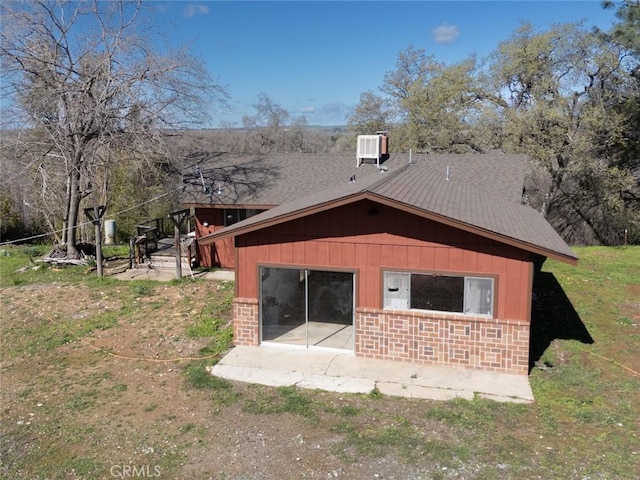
(42, 235)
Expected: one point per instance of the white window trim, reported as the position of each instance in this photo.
(407, 302)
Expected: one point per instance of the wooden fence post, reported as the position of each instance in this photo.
(95, 214)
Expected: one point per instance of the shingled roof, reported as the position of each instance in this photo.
(476, 193)
(267, 180)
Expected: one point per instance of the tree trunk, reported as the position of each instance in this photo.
(72, 215)
(65, 220)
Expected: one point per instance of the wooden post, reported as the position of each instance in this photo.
(98, 247)
(178, 219)
(176, 233)
(95, 215)
(132, 246)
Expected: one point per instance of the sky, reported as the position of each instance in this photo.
(315, 58)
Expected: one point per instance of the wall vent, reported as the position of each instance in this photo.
(371, 147)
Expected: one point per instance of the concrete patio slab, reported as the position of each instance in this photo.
(342, 371)
(166, 275)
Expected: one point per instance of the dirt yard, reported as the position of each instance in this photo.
(104, 380)
(116, 402)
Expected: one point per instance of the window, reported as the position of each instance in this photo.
(443, 293)
(234, 215)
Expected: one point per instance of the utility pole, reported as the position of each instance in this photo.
(95, 215)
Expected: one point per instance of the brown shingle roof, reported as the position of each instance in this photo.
(461, 201)
(500, 174)
(274, 179)
(267, 179)
(481, 194)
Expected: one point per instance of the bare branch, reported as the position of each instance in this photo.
(89, 81)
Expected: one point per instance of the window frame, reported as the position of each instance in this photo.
(239, 214)
(465, 276)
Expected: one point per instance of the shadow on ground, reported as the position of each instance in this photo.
(552, 317)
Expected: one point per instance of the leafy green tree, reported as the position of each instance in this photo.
(408, 125)
(135, 183)
(626, 147)
(441, 111)
(627, 31)
(567, 96)
(370, 115)
(562, 87)
(413, 67)
(426, 105)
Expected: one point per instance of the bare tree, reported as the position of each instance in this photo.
(92, 86)
(268, 125)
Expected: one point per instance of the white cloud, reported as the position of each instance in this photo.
(445, 33)
(192, 10)
(327, 114)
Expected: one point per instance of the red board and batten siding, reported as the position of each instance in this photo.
(321, 241)
(369, 238)
(220, 253)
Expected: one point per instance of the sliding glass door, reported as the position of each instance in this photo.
(283, 302)
(311, 308)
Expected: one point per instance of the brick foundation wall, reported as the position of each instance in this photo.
(420, 337)
(246, 321)
(443, 339)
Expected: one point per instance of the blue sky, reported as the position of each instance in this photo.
(315, 58)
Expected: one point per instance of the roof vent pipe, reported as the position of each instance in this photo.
(410, 156)
(448, 178)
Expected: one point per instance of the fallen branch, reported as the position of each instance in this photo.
(63, 261)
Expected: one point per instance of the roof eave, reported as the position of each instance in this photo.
(234, 231)
(234, 206)
(361, 195)
(545, 252)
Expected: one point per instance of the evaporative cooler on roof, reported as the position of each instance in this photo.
(371, 147)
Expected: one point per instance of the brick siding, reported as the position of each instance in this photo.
(246, 321)
(443, 339)
(420, 337)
